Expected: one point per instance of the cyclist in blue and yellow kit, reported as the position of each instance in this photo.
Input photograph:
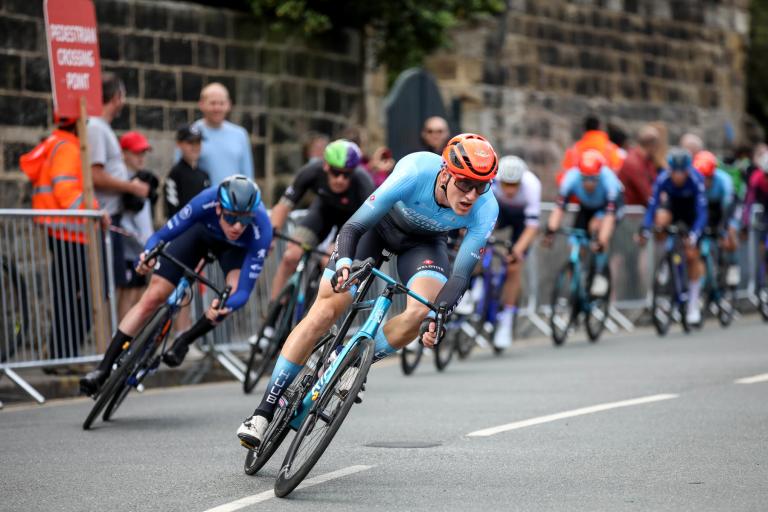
(230, 222)
(679, 196)
(600, 196)
(410, 214)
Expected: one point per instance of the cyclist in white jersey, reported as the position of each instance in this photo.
(518, 192)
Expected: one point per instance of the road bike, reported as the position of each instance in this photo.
(719, 295)
(284, 312)
(670, 282)
(571, 295)
(141, 358)
(319, 399)
(411, 354)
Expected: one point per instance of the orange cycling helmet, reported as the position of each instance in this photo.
(470, 156)
(591, 162)
(706, 163)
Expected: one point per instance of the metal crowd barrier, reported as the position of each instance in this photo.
(49, 279)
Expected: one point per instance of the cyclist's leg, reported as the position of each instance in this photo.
(511, 288)
(684, 213)
(312, 229)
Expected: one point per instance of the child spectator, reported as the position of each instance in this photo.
(186, 179)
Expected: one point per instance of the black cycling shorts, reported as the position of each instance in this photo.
(511, 217)
(321, 219)
(417, 255)
(682, 209)
(132, 278)
(192, 246)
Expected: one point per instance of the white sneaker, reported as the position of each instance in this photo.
(466, 305)
(599, 286)
(251, 432)
(503, 336)
(693, 314)
(733, 275)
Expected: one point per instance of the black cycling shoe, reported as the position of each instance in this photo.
(91, 383)
(176, 354)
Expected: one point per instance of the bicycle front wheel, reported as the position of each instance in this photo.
(663, 297)
(561, 316)
(445, 349)
(325, 418)
(598, 310)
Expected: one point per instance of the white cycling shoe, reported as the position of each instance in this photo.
(693, 315)
(502, 338)
(251, 432)
(599, 286)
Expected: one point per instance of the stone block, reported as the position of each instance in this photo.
(295, 64)
(109, 45)
(311, 98)
(24, 111)
(10, 71)
(185, 21)
(177, 117)
(244, 119)
(36, 75)
(149, 16)
(129, 76)
(123, 121)
(139, 48)
(160, 85)
(112, 13)
(332, 101)
(241, 57)
(250, 90)
(270, 61)
(217, 23)
(191, 84)
(261, 124)
(321, 125)
(18, 34)
(175, 52)
(246, 28)
(26, 7)
(208, 55)
(12, 151)
(259, 158)
(150, 118)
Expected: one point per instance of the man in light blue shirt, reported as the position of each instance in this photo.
(226, 146)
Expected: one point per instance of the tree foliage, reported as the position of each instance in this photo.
(757, 70)
(403, 31)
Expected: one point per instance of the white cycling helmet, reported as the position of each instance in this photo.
(511, 169)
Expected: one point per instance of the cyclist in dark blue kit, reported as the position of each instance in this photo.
(228, 221)
(679, 196)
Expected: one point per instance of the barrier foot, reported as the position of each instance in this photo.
(226, 359)
(539, 323)
(620, 319)
(24, 385)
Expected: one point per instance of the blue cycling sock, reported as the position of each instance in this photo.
(282, 376)
(381, 348)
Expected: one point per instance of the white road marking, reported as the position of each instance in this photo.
(266, 495)
(763, 377)
(569, 414)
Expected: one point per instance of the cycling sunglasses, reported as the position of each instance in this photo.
(466, 186)
(590, 179)
(232, 218)
(339, 172)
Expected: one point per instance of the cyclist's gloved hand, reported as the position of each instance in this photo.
(144, 267)
(642, 236)
(216, 314)
(427, 335)
(339, 278)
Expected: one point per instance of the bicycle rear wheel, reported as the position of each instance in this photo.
(444, 350)
(465, 340)
(562, 314)
(663, 297)
(277, 323)
(598, 310)
(128, 362)
(325, 418)
(410, 356)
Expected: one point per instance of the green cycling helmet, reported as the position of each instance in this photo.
(343, 154)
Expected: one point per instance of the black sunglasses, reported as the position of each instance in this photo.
(339, 172)
(232, 218)
(466, 186)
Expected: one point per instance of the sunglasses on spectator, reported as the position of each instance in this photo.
(466, 186)
(232, 218)
(339, 172)
(435, 130)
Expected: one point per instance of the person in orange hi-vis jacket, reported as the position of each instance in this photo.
(54, 167)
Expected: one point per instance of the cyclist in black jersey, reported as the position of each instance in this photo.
(341, 186)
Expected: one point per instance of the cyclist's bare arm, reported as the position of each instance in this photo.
(280, 212)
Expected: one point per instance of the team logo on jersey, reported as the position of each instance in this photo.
(428, 262)
(372, 198)
(482, 251)
(186, 212)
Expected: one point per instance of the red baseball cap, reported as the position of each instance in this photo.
(134, 142)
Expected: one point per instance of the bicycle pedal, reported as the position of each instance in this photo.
(246, 445)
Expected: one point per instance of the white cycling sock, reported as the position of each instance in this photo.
(694, 289)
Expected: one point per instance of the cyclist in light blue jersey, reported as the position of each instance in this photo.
(600, 196)
(409, 215)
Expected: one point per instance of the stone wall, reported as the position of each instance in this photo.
(165, 51)
(528, 78)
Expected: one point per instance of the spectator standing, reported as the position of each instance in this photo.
(314, 147)
(692, 143)
(592, 138)
(55, 169)
(136, 221)
(640, 168)
(110, 175)
(226, 148)
(434, 134)
(380, 165)
(186, 179)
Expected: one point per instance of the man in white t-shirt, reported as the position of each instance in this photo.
(110, 176)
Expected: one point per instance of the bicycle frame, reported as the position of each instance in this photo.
(379, 308)
(677, 264)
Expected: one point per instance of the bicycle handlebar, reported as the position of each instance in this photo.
(304, 246)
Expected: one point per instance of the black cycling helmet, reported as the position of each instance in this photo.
(239, 194)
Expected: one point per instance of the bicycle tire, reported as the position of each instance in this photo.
(12, 328)
(761, 286)
(410, 358)
(444, 351)
(661, 303)
(131, 360)
(258, 366)
(279, 427)
(464, 342)
(562, 282)
(594, 330)
(360, 356)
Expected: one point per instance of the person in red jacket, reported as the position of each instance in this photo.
(640, 168)
(55, 170)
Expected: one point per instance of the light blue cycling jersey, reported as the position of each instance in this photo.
(408, 196)
(721, 189)
(606, 195)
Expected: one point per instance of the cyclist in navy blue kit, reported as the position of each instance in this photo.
(228, 221)
(410, 214)
(679, 196)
